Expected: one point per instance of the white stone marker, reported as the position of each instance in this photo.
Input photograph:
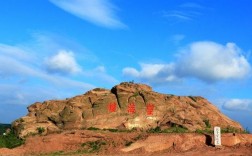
(217, 136)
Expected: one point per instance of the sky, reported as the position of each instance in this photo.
(56, 49)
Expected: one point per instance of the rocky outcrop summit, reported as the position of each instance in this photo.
(125, 106)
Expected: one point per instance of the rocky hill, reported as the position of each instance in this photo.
(126, 106)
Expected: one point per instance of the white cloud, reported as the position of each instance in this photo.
(210, 61)
(12, 51)
(99, 12)
(185, 12)
(180, 15)
(18, 68)
(155, 73)
(10, 66)
(207, 61)
(132, 72)
(63, 62)
(238, 104)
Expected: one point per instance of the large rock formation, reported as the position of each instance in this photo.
(125, 106)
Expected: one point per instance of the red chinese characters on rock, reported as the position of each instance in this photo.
(131, 108)
(149, 109)
(112, 107)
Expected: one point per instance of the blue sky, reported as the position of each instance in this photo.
(54, 49)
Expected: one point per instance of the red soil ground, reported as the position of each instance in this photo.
(116, 143)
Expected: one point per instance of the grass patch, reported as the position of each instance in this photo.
(229, 129)
(204, 131)
(78, 152)
(154, 130)
(92, 146)
(10, 140)
(120, 130)
(58, 153)
(173, 129)
(54, 153)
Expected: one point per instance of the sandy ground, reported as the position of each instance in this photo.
(113, 143)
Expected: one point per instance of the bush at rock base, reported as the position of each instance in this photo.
(10, 140)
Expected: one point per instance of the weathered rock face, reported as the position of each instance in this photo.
(125, 106)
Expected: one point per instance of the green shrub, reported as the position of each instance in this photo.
(40, 130)
(119, 130)
(10, 140)
(93, 128)
(207, 123)
(154, 130)
(229, 129)
(173, 129)
(176, 129)
(112, 130)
